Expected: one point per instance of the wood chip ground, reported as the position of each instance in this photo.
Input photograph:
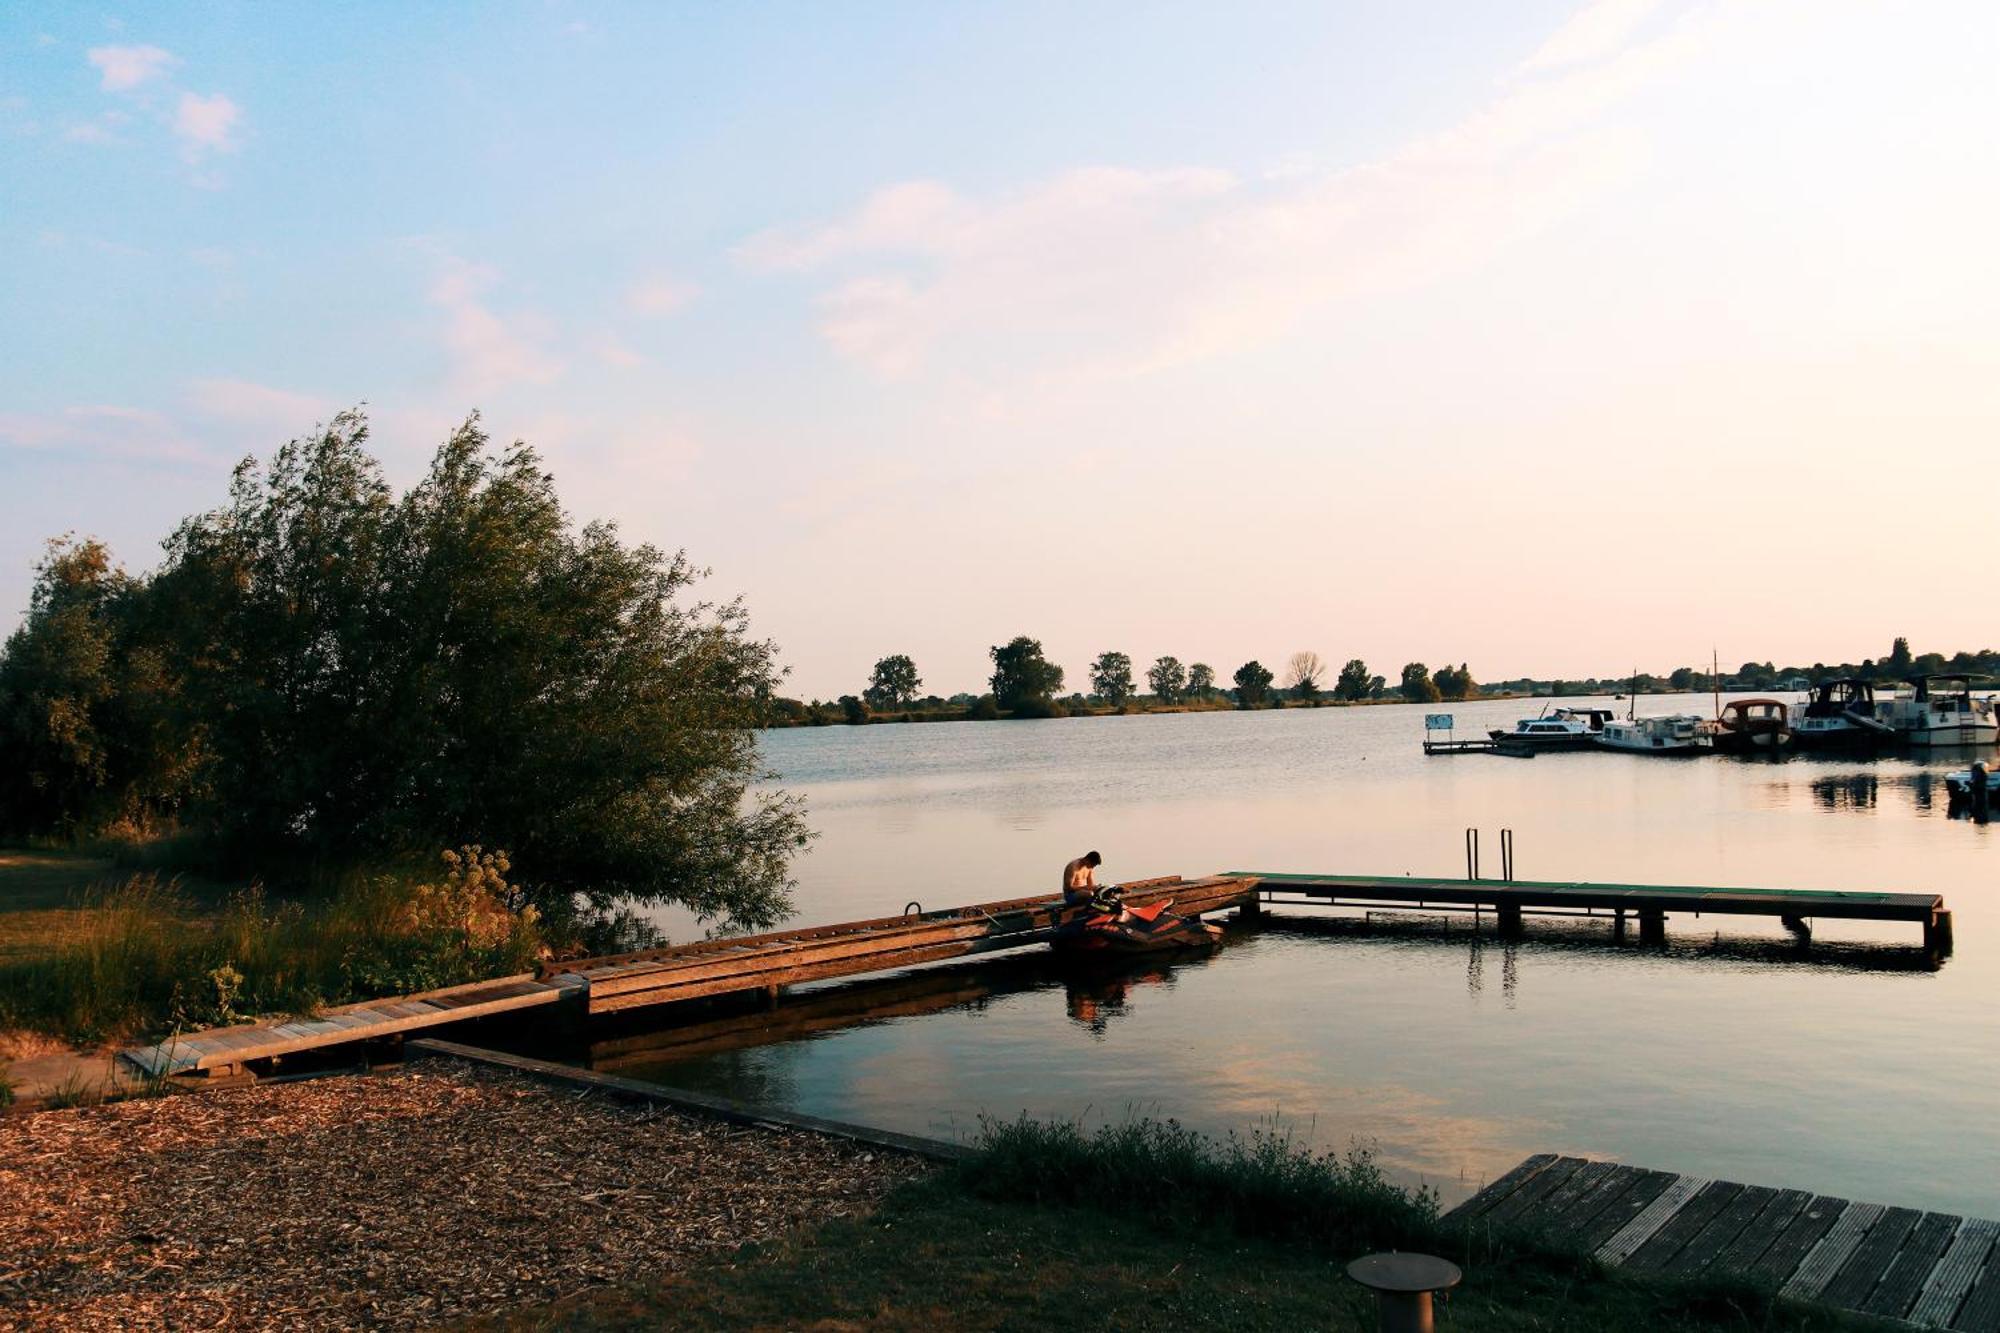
(393, 1200)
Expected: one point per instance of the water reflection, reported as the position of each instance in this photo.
(1849, 791)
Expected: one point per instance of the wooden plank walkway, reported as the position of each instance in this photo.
(1933, 1270)
(223, 1050)
(1648, 903)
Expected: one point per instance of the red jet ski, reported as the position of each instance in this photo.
(1105, 929)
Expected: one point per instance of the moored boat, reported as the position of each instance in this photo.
(1556, 729)
(1940, 710)
(1839, 713)
(1681, 734)
(1751, 726)
(1130, 930)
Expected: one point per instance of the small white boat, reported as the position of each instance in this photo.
(1840, 712)
(1960, 784)
(1940, 710)
(1681, 734)
(1557, 729)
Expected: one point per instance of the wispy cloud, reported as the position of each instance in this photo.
(488, 350)
(1111, 271)
(105, 430)
(659, 295)
(246, 403)
(206, 124)
(127, 67)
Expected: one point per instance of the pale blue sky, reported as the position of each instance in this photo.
(1553, 337)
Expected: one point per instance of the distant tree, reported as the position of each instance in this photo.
(852, 710)
(1898, 661)
(1111, 678)
(1023, 679)
(1201, 680)
(1456, 682)
(1253, 683)
(1682, 679)
(1378, 686)
(894, 683)
(1417, 686)
(1352, 683)
(1168, 678)
(1302, 674)
(983, 709)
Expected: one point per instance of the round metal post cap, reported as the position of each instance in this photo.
(1404, 1273)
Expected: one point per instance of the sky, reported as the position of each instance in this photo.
(1556, 339)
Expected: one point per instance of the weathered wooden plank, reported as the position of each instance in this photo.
(1549, 1214)
(1755, 1240)
(1708, 1244)
(1963, 1261)
(1520, 1207)
(1666, 1244)
(1835, 1248)
(1789, 1247)
(1573, 1220)
(1912, 1266)
(1981, 1311)
(1870, 1262)
(1648, 1220)
(1499, 1189)
(1616, 1215)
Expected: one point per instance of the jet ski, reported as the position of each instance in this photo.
(1106, 928)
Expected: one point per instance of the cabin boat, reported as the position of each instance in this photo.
(1681, 734)
(1558, 729)
(1940, 710)
(1839, 712)
(1752, 726)
(1961, 786)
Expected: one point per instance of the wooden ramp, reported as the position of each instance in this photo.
(223, 1050)
(1933, 1270)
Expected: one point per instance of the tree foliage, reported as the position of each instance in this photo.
(359, 675)
(893, 684)
(1353, 681)
(1168, 679)
(1201, 680)
(1456, 682)
(1417, 686)
(1023, 679)
(1253, 683)
(1111, 678)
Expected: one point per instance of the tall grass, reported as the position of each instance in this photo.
(1264, 1185)
(142, 959)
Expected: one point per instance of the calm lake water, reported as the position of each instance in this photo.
(1848, 1068)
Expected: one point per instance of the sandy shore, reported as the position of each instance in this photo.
(393, 1200)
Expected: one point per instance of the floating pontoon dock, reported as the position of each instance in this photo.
(769, 962)
(1933, 1270)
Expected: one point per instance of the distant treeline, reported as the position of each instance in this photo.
(1025, 684)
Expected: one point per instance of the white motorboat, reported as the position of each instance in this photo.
(1960, 785)
(1556, 729)
(1940, 710)
(1681, 734)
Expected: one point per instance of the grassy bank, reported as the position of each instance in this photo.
(89, 954)
(1149, 1226)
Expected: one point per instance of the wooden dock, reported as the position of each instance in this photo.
(769, 962)
(1933, 1270)
(1647, 904)
(1512, 749)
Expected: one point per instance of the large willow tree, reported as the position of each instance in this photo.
(357, 675)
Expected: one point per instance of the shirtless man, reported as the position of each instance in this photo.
(1079, 884)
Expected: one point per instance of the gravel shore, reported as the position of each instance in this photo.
(392, 1200)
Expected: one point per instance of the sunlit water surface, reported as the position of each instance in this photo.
(1847, 1068)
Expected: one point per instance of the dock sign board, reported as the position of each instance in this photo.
(1437, 721)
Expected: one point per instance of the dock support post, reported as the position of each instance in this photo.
(1652, 926)
(1509, 915)
(1937, 933)
(1617, 923)
(1253, 906)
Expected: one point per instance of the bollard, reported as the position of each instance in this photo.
(1403, 1284)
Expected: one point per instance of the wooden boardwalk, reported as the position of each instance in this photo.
(1933, 1270)
(1648, 904)
(769, 962)
(223, 1051)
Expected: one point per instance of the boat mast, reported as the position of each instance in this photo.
(1715, 679)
